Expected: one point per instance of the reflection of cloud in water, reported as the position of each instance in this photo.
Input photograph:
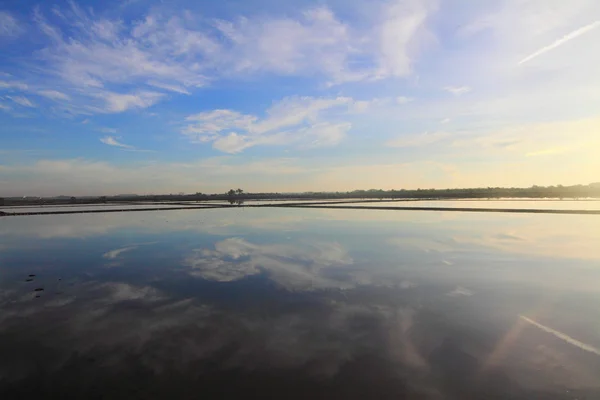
(460, 291)
(407, 285)
(291, 266)
(508, 236)
(115, 256)
(118, 292)
(425, 244)
(213, 221)
(132, 330)
(111, 255)
(563, 336)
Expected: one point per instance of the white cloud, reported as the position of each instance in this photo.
(292, 111)
(422, 139)
(301, 120)
(99, 58)
(403, 100)
(9, 26)
(116, 102)
(13, 85)
(54, 95)
(401, 23)
(325, 134)
(232, 143)
(521, 20)
(170, 87)
(22, 101)
(317, 42)
(568, 37)
(111, 141)
(457, 90)
(206, 126)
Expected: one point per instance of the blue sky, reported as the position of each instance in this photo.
(106, 97)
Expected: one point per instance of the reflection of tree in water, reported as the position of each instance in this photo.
(235, 196)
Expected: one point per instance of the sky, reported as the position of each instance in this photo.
(142, 96)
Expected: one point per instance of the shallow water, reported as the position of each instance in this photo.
(505, 204)
(90, 207)
(300, 303)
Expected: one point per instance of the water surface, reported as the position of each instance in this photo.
(300, 303)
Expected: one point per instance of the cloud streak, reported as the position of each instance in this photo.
(570, 36)
(111, 255)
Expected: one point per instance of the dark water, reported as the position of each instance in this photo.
(300, 304)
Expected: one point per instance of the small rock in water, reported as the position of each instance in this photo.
(29, 280)
(38, 289)
(31, 275)
(37, 297)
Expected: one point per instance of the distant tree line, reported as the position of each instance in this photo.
(239, 195)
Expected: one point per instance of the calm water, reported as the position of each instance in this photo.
(123, 206)
(520, 204)
(300, 303)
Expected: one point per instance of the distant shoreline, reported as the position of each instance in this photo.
(575, 192)
(332, 205)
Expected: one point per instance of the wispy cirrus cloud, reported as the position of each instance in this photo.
(7, 85)
(115, 142)
(54, 95)
(22, 101)
(306, 121)
(457, 90)
(9, 26)
(105, 65)
(112, 141)
(422, 139)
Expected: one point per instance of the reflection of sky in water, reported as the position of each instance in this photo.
(74, 208)
(519, 204)
(296, 302)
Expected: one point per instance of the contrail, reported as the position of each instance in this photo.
(561, 41)
(562, 336)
